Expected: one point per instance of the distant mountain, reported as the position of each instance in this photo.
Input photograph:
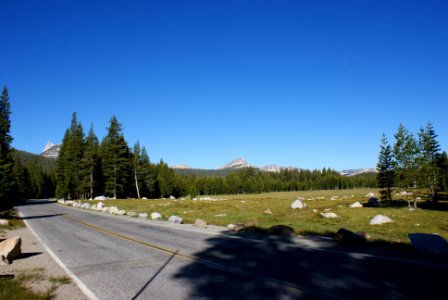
(353, 172)
(236, 164)
(182, 167)
(240, 163)
(51, 150)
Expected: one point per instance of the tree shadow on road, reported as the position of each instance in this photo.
(273, 268)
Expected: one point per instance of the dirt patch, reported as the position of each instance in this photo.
(37, 269)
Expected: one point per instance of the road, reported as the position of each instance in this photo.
(125, 258)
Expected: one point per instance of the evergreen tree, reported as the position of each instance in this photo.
(115, 160)
(165, 179)
(442, 165)
(6, 160)
(91, 172)
(406, 160)
(429, 153)
(147, 177)
(385, 167)
(69, 161)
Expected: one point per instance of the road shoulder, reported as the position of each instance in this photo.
(36, 260)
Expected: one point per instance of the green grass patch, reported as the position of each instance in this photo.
(59, 280)
(13, 287)
(250, 208)
(14, 220)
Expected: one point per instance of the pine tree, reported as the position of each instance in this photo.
(69, 161)
(429, 153)
(91, 164)
(6, 160)
(115, 160)
(385, 167)
(406, 160)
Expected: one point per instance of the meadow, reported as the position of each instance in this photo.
(267, 209)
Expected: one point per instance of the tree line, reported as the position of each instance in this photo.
(412, 163)
(87, 167)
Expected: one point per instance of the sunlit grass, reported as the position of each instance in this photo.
(252, 208)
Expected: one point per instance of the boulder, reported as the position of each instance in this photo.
(175, 219)
(121, 212)
(144, 198)
(156, 216)
(370, 195)
(235, 227)
(334, 198)
(373, 202)
(85, 205)
(100, 205)
(268, 211)
(10, 249)
(100, 198)
(200, 223)
(429, 243)
(281, 230)
(143, 216)
(105, 209)
(61, 201)
(131, 214)
(172, 197)
(356, 204)
(113, 210)
(4, 222)
(380, 219)
(298, 204)
(364, 235)
(346, 236)
(329, 215)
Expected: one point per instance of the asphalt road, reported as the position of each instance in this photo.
(124, 258)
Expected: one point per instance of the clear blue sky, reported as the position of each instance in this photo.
(295, 83)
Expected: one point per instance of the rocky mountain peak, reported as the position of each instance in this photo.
(236, 164)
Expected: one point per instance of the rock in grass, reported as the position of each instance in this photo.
(298, 204)
(156, 216)
(85, 206)
(143, 216)
(356, 204)
(329, 215)
(373, 202)
(113, 210)
(200, 223)
(10, 249)
(235, 227)
(131, 214)
(4, 222)
(346, 236)
(282, 230)
(175, 219)
(429, 243)
(380, 219)
(268, 211)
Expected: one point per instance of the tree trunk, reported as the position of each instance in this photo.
(136, 184)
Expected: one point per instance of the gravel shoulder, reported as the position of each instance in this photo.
(37, 263)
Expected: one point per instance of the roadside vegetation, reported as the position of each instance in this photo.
(267, 209)
(20, 286)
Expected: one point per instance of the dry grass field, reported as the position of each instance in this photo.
(267, 209)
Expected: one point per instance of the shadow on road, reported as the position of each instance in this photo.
(41, 216)
(235, 268)
(155, 276)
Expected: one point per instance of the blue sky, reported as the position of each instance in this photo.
(309, 84)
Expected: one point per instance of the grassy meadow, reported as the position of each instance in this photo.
(252, 208)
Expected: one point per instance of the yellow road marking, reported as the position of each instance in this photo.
(218, 266)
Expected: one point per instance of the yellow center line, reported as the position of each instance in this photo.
(202, 261)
